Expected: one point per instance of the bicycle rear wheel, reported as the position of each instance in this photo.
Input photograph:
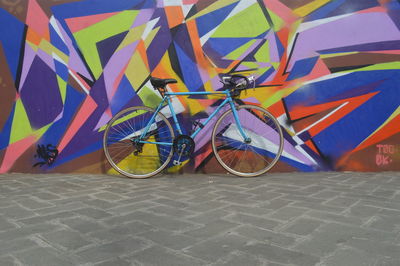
(128, 153)
(254, 156)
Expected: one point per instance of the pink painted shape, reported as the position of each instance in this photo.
(83, 114)
(37, 19)
(79, 23)
(14, 151)
(281, 10)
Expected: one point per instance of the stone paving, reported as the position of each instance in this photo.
(279, 219)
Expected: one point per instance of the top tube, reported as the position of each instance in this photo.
(226, 92)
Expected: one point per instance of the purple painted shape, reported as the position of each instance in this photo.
(48, 59)
(348, 31)
(273, 47)
(75, 61)
(40, 95)
(161, 41)
(259, 128)
(115, 66)
(143, 17)
(29, 55)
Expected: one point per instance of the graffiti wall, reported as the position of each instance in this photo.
(328, 69)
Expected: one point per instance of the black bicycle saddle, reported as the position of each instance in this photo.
(161, 83)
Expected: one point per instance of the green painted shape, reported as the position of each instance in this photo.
(88, 37)
(234, 55)
(278, 22)
(149, 97)
(383, 66)
(250, 22)
(62, 85)
(21, 127)
(262, 55)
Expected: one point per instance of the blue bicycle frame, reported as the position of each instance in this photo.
(167, 99)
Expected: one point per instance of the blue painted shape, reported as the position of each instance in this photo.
(12, 36)
(106, 48)
(92, 7)
(347, 133)
(279, 45)
(56, 131)
(265, 75)
(61, 70)
(124, 93)
(337, 88)
(349, 7)
(57, 42)
(302, 68)
(189, 70)
(6, 130)
(213, 19)
(225, 46)
(323, 11)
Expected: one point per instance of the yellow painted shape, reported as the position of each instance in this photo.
(145, 161)
(278, 95)
(310, 7)
(50, 49)
(137, 71)
(151, 37)
(132, 36)
(21, 127)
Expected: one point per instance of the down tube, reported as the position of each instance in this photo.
(210, 117)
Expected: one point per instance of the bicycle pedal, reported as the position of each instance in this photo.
(176, 162)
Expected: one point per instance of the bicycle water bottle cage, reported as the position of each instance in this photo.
(159, 84)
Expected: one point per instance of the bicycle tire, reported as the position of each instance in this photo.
(247, 159)
(121, 152)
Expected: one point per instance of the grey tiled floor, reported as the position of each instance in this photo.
(324, 218)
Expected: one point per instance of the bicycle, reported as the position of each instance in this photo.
(247, 140)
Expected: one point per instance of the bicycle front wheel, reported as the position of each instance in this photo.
(251, 157)
(132, 154)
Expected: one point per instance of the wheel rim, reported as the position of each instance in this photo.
(247, 159)
(137, 160)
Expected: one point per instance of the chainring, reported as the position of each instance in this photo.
(179, 141)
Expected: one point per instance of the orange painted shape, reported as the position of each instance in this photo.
(141, 48)
(311, 145)
(14, 151)
(353, 103)
(174, 15)
(378, 9)
(33, 37)
(83, 114)
(79, 23)
(385, 132)
(37, 19)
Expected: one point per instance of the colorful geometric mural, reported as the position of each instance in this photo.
(328, 69)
